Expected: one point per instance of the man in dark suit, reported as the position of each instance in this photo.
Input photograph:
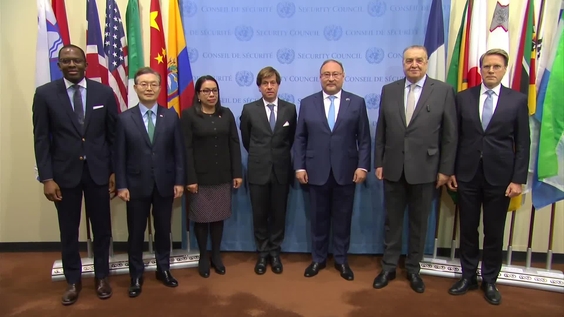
(415, 151)
(491, 166)
(332, 155)
(149, 173)
(73, 129)
(268, 127)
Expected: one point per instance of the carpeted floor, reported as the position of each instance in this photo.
(26, 290)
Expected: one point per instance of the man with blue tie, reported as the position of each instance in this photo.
(331, 156)
(73, 129)
(149, 173)
(491, 167)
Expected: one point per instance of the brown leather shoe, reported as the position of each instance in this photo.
(103, 288)
(71, 294)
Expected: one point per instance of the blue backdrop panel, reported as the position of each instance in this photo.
(233, 39)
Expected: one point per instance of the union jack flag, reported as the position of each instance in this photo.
(95, 55)
(115, 48)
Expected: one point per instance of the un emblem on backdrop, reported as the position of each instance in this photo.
(244, 33)
(189, 8)
(372, 101)
(244, 78)
(374, 55)
(285, 55)
(333, 32)
(193, 54)
(286, 97)
(376, 8)
(286, 9)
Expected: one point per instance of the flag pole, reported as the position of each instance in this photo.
(550, 237)
(88, 237)
(530, 242)
(510, 242)
(453, 242)
(437, 220)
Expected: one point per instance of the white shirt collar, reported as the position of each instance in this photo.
(69, 84)
(144, 108)
(496, 89)
(266, 103)
(420, 83)
(337, 95)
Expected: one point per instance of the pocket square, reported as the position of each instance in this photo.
(97, 107)
(286, 124)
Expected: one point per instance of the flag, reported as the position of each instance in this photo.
(61, 15)
(95, 55)
(476, 34)
(49, 42)
(135, 48)
(454, 76)
(548, 181)
(180, 81)
(115, 49)
(499, 32)
(158, 49)
(435, 42)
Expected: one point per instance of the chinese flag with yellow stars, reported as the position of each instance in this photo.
(158, 49)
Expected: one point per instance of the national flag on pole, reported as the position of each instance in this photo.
(115, 49)
(435, 42)
(95, 55)
(526, 56)
(49, 42)
(498, 36)
(158, 50)
(61, 15)
(135, 48)
(548, 181)
(180, 81)
(476, 34)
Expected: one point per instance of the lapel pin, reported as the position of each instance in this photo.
(347, 99)
(161, 115)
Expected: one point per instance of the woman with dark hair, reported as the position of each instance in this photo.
(213, 168)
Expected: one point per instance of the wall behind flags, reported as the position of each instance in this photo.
(25, 214)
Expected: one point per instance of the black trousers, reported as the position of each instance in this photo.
(69, 210)
(471, 197)
(269, 202)
(418, 198)
(138, 211)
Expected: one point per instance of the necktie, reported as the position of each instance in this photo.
(78, 107)
(150, 125)
(331, 114)
(272, 117)
(410, 107)
(487, 112)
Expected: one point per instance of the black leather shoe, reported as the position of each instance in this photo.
(276, 264)
(383, 278)
(218, 266)
(166, 278)
(463, 285)
(314, 268)
(204, 267)
(135, 287)
(345, 271)
(416, 282)
(491, 294)
(260, 267)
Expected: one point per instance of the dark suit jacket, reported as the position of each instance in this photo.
(268, 150)
(319, 150)
(141, 165)
(427, 145)
(504, 146)
(60, 144)
(213, 151)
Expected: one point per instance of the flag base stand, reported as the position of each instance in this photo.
(119, 264)
(513, 275)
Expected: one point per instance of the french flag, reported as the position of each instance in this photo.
(435, 42)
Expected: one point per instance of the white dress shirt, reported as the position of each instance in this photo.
(417, 91)
(484, 95)
(336, 103)
(275, 103)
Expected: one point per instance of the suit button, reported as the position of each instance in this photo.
(81, 158)
(83, 139)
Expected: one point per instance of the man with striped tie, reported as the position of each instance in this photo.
(491, 166)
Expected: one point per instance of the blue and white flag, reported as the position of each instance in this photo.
(49, 42)
(435, 42)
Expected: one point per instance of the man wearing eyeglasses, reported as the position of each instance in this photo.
(414, 155)
(331, 156)
(74, 129)
(149, 173)
(491, 167)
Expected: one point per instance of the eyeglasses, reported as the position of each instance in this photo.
(335, 75)
(209, 91)
(494, 67)
(67, 61)
(145, 85)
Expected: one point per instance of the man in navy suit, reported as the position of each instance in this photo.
(491, 167)
(149, 172)
(331, 156)
(73, 129)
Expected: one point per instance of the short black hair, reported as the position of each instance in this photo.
(72, 46)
